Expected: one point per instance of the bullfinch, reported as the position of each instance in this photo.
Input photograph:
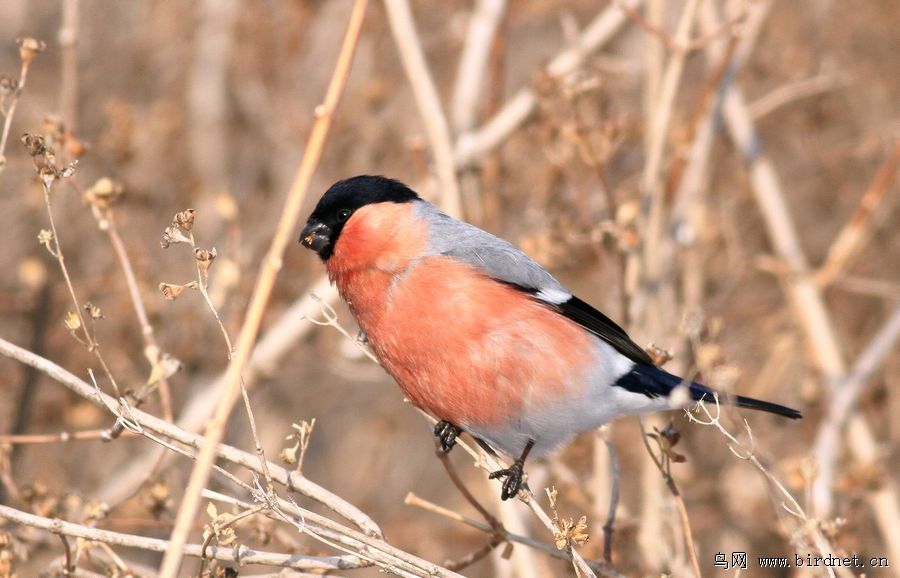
(476, 332)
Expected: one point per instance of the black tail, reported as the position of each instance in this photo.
(655, 382)
(770, 407)
(700, 391)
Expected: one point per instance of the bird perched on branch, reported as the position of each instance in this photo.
(476, 332)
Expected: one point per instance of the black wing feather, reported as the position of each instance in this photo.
(592, 320)
(604, 328)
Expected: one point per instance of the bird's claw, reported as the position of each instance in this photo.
(513, 482)
(447, 433)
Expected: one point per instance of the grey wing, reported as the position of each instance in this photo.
(497, 258)
(502, 261)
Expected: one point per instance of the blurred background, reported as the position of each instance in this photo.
(208, 105)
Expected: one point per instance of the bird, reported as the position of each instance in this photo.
(477, 333)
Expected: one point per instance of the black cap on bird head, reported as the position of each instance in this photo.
(339, 203)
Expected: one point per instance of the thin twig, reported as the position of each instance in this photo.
(216, 528)
(797, 90)
(106, 222)
(616, 478)
(265, 281)
(457, 481)
(69, 567)
(662, 463)
(747, 453)
(9, 111)
(414, 500)
(61, 437)
(651, 181)
(110, 564)
(686, 172)
(867, 286)
(675, 44)
(203, 260)
(89, 342)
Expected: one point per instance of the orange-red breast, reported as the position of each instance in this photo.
(476, 332)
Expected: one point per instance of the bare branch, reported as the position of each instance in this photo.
(859, 228)
(806, 300)
(797, 90)
(291, 479)
(846, 394)
(68, 41)
(430, 110)
(474, 145)
(414, 500)
(473, 63)
(241, 554)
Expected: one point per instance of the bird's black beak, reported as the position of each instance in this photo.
(316, 236)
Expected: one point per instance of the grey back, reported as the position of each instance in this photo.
(497, 258)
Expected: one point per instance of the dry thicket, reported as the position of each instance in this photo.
(184, 394)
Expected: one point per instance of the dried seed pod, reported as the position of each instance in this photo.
(72, 321)
(36, 145)
(184, 219)
(29, 48)
(67, 171)
(44, 238)
(572, 533)
(205, 259)
(288, 455)
(170, 291)
(48, 175)
(171, 236)
(93, 310)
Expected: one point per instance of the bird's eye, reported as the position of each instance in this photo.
(343, 215)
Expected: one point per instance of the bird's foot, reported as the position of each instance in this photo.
(513, 482)
(447, 433)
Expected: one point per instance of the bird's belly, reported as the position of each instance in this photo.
(556, 420)
(475, 352)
